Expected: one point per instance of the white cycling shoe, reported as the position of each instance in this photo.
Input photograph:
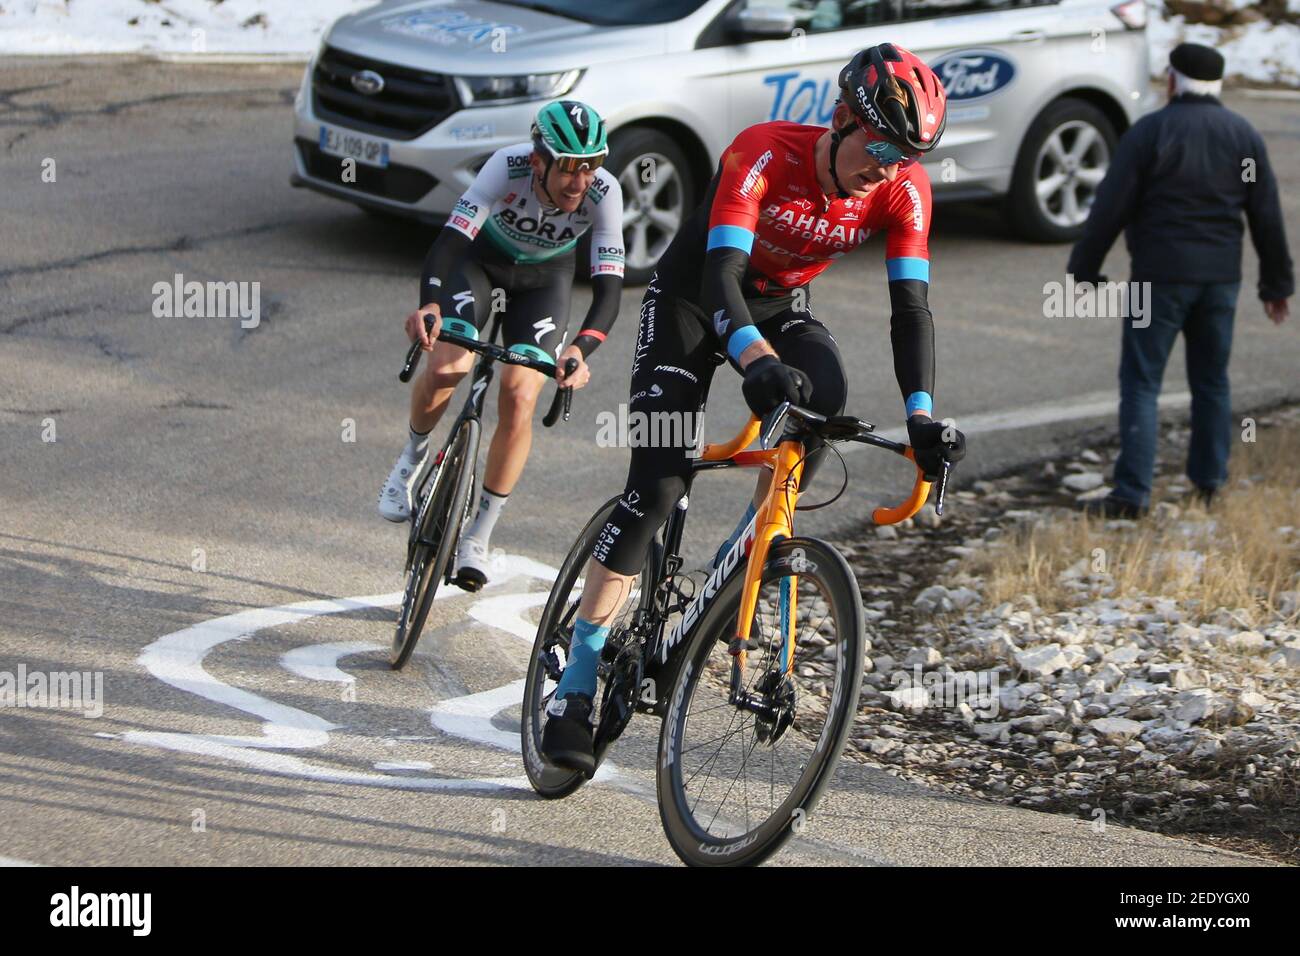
(395, 496)
(472, 565)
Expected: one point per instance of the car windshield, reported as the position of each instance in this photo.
(614, 13)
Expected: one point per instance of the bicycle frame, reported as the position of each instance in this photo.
(773, 521)
(480, 378)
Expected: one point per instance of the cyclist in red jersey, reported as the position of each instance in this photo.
(786, 201)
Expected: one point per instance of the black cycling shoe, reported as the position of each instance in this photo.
(566, 738)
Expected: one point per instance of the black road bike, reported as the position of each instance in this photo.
(445, 492)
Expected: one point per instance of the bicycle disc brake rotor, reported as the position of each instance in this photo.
(773, 720)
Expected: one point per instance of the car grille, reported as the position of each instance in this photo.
(412, 102)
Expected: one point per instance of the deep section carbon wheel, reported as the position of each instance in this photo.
(741, 767)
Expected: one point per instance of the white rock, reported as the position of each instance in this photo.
(1116, 729)
(925, 656)
(1109, 674)
(1074, 656)
(908, 698)
(1044, 660)
(1083, 481)
(934, 598)
(1256, 701)
(1247, 641)
(967, 715)
(882, 745)
(994, 732)
(1194, 705)
(1033, 723)
(1286, 657)
(886, 532)
(1128, 654)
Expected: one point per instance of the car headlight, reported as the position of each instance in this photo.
(501, 90)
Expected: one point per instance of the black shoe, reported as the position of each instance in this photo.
(566, 738)
(1112, 507)
(1206, 497)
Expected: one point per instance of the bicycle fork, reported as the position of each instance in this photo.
(775, 521)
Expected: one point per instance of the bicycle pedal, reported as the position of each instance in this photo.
(469, 580)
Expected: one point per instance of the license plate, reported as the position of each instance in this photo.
(364, 149)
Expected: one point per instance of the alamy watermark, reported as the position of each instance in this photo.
(978, 690)
(208, 300)
(56, 690)
(626, 428)
(1098, 300)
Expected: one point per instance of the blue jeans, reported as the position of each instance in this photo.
(1203, 312)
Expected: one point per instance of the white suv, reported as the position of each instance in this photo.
(419, 94)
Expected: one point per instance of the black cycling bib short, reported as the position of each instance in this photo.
(676, 356)
(533, 299)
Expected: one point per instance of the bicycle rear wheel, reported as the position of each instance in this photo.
(437, 526)
(734, 782)
(550, 654)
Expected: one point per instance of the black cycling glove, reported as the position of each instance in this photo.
(934, 443)
(768, 383)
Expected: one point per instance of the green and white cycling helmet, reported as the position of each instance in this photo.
(570, 134)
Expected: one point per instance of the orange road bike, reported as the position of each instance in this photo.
(754, 672)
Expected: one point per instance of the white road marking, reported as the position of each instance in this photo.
(13, 861)
(320, 661)
(471, 717)
(403, 765)
(177, 660)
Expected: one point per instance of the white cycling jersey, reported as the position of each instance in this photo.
(501, 201)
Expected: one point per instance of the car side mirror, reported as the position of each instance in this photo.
(761, 23)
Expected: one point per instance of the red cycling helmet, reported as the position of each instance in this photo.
(891, 91)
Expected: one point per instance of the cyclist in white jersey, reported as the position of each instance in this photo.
(509, 246)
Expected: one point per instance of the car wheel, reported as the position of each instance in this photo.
(658, 195)
(1061, 163)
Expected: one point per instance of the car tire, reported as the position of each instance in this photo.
(648, 206)
(1049, 199)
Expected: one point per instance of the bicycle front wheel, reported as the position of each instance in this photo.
(738, 779)
(437, 526)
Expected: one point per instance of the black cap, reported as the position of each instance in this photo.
(1197, 62)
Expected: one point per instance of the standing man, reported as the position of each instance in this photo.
(1178, 184)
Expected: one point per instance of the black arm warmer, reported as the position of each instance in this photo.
(605, 293)
(724, 270)
(911, 332)
(444, 255)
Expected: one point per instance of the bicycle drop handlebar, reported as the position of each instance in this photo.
(837, 428)
(560, 405)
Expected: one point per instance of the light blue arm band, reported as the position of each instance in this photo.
(734, 237)
(741, 339)
(908, 267)
(919, 402)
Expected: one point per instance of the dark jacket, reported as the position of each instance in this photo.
(1176, 187)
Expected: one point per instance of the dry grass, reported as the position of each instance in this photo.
(1232, 557)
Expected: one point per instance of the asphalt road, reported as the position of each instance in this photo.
(200, 471)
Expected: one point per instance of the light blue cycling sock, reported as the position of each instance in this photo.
(579, 676)
(735, 535)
